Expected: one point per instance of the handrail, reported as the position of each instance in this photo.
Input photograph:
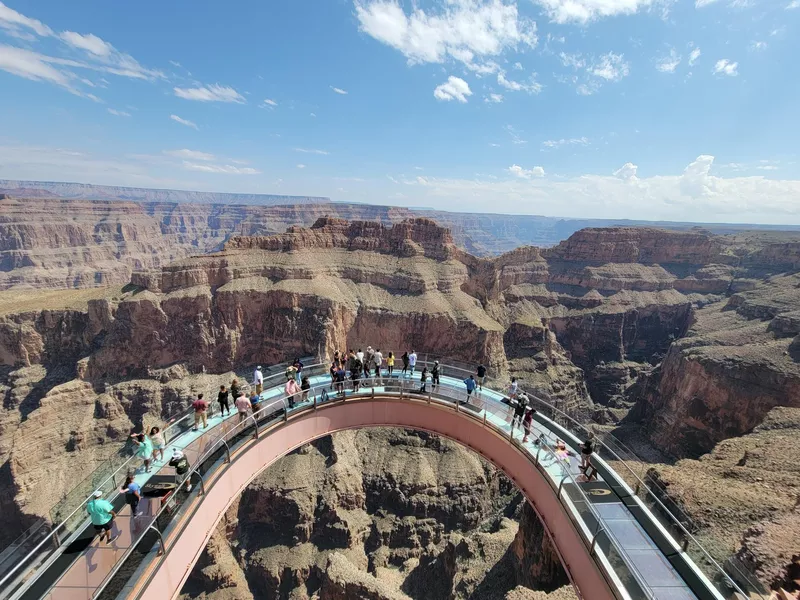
(668, 513)
(52, 537)
(366, 384)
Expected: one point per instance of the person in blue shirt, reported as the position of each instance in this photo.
(133, 493)
(102, 514)
(471, 385)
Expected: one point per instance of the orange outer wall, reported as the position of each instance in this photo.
(175, 567)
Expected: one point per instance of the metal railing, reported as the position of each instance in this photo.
(614, 562)
(34, 550)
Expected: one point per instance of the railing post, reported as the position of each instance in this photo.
(163, 549)
(56, 541)
(484, 417)
(594, 538)
(538, 451)
(227, 452)
(315, 402)
(685, 544)
(255, 424)
(561, 484)
(202, 484)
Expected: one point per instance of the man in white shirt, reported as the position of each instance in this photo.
(412, 361)
(360, 355)
(258, 380)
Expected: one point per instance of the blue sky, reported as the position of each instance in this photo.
(659, 109)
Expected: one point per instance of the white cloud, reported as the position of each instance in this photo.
(518, 66)
(311, 151)
(532, 87)
(301, 166)
(175, 63)
(36, 67)
(186, 122)
(611, 67)
(516, 137)
(466, 31)
(13, 21)
(626, 172)
(583, 11)
(767, 168)
(223, 169)
(518, 171)
(757, 46)
(576, 61)
(312, 115)
(581, 141)
(726, 67)
(693, 56)
(191, 154)
(793, 4)
(494, 98)
(89, 42)
(668, 64)
(269, 102)
(339, 90)
(119, 113)
(210, 93)
(702, 3)
(454, 88)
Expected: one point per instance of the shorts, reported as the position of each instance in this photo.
(158, 446)
(105, 527)
(147, 456)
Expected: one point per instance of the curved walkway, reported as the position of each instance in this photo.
(609, 542)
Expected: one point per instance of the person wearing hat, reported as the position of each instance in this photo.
(258, 380)
(435, 375)
(102, 515)
(181, 466)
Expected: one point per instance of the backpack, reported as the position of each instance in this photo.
(323, 397)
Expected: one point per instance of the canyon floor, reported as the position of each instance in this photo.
(684, 344)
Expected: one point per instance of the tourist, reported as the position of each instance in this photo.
(562, 453)
(471, 384)
(519, 410)
(157, 439)
(181, 465)
(355, 373)
(360, 355)
(339, 378)
(144, 449)
(200, 412)
(527, 422)
(390, 364)
(102, 515)
(222, 398)
(133, 493)
(513, 389)
(377, 360)
(405, 363)
(587, 449)
(369, 360)
(234, 389)
(481, 372)
(258, 380)
(351, 361)
(423, 380)
(305, 385)
(242, 406)
(333, 368)
(291, 371)
(435, 375)
(255, 403)
(298, 365)
(412, 361)
(292, 389)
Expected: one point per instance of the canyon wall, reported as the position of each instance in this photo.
(378, 514)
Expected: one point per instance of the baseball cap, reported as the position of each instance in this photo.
(98, 494)
(258, 368)
(176, 453)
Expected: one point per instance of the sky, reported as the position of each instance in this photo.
(684, 110)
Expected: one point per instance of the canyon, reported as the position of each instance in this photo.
(683, 343)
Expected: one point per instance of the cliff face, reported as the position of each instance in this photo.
(380, 514)
(732, 368)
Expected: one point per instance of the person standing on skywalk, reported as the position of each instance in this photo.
(102, 515)
(258, 380)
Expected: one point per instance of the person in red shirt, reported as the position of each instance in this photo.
(200, 407)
